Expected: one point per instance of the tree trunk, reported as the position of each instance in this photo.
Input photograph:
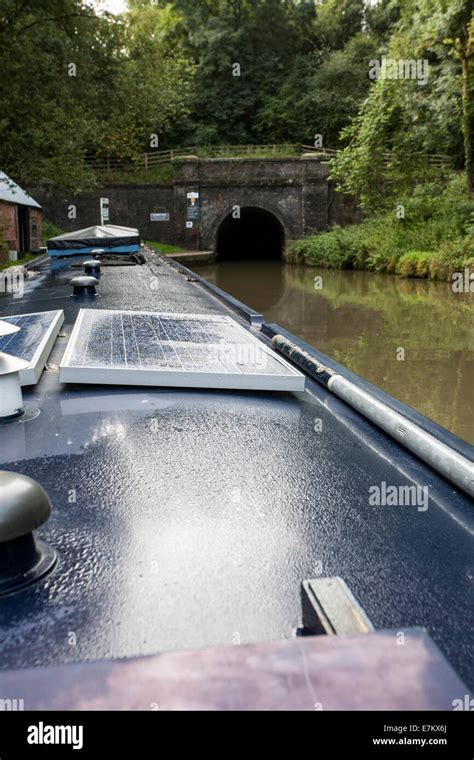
(466, 126)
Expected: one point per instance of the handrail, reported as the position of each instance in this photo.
(153, 159)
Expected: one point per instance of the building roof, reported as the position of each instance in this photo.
(13, 193)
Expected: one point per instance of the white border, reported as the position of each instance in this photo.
(292, 381)
(33, 372)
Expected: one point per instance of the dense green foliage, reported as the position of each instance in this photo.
(435, 238)
(410, 118)
(50, 230)
(271, 71)
(74, 85)
(77, 84)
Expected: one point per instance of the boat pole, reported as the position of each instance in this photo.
(449, 463)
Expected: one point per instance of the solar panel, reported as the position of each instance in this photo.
(33, 342)
(183, 350)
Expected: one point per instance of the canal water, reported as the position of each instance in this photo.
(413, 338)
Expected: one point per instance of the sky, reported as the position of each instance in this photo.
(119, 6)
(113, 6)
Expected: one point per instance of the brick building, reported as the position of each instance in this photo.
(20, 220)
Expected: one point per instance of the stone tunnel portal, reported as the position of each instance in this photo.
(256, 234)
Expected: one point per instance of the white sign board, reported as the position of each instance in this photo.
(192, 195)
(160, 217)
(189, 225)
(104, 211)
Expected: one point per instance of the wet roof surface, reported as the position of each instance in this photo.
(185, 518)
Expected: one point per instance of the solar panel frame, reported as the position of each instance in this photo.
(37, 362)
(74, 370)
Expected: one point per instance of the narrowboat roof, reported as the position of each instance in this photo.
(184, 518)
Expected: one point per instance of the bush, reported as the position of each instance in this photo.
(50, 231)
(438, 268)
(327, 250)
(414, 264)
(435, 237)
(363, 246)
(453, 256)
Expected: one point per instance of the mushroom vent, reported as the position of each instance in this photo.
(84, 285)
(11, 399)
(24, 506)
(92, 267)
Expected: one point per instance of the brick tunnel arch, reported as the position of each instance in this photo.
(256, 234)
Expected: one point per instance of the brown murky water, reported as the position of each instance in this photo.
(363, 320)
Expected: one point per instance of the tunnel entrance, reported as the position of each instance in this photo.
(257, 234)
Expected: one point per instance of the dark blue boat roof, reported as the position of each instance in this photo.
(186, 518)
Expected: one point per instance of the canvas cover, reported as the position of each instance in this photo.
(113, 238)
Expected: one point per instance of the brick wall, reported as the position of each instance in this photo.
(343, 209)
(9, 227)
(36, 230)
(130, 206)
(296, 191)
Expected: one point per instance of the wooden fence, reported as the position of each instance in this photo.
(157, 158)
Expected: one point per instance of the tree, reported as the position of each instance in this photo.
(18, 17)
(76, 85)
(450, 23)
(243, 50)
(410, 121)
(41, 129)
(152, 84)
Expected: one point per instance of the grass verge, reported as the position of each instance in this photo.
(165, 248)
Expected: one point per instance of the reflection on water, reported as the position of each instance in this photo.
(363, 319)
